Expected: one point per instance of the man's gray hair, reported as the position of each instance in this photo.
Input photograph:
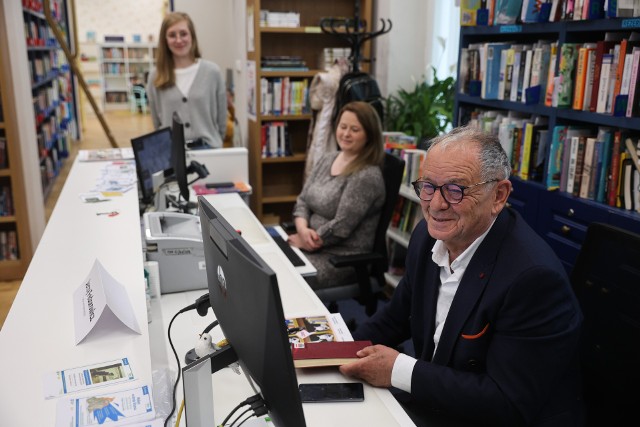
(494, 163)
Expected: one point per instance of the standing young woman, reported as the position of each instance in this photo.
(183, 82)
(338, 210)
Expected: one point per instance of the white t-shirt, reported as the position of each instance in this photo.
(185, 77)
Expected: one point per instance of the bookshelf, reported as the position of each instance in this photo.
(52, 89)
(22, 180)
(556, 214)
(292, 30)
(91, 70)
(119, 63)
(407, 212)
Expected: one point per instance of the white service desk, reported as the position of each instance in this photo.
(38, 334)
(298, 299)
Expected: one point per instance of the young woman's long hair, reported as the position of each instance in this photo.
(165, 76)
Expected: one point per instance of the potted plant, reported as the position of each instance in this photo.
(424, 112)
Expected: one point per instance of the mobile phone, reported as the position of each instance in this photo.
(331, 392)
(219, 184)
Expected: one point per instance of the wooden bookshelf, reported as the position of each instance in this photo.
(20, 172)
(277, 181)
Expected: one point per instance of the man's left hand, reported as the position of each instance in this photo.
(374, 366)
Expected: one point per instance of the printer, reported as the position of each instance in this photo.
(174, 240)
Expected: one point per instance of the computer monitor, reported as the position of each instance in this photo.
(244, 294)
(178, 156)
(152, 153)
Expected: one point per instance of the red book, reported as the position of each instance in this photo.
(326, 353)
(602, 47)
(614, 170)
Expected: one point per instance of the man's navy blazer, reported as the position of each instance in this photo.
(508, 351)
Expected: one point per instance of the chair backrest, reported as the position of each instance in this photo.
(392, 172)
(606, 280)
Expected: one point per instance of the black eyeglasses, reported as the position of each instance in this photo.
(452, 193)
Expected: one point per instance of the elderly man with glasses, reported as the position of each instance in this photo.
(487, 304)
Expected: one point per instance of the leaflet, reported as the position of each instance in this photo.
(116, 409)
(87, 377)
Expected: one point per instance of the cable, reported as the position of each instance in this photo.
(201, 307)
(248, 401)
(179, 413)
(175, 386)
(246, 419)
(239, 416)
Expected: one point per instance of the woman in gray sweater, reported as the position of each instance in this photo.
(338, 209)
(183, 82)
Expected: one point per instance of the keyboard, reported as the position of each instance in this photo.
(284, 246)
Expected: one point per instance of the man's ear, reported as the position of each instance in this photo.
(501, 194)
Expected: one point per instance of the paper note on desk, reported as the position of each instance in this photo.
(121, 407)
(100, 296)
(106, 154)
(87, 377)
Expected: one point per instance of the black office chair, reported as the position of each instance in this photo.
(369, 267)
(606, 280)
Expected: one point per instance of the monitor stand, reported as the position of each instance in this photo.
(198, 388)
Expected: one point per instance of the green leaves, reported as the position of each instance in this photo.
(424, 112)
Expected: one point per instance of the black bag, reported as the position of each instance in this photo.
(358, 86)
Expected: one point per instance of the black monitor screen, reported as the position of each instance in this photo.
(152, 153)
(178, 156)
(244, 294)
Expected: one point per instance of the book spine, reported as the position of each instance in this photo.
(587, 168)
(633, 86)
(577, 179)
(578, 94)
(603, 87)
(614, 169)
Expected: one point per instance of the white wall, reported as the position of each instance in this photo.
(120, 17)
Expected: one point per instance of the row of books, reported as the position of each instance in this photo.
(114, 68)
(42, 65)
(279, 19)
(283, 63)
(38, 33)
(6, 200)
(406, 215)
(113, 52)
(596, 166)
(606, 75)
(507, 71)
(507, 12)
(599, 77)
(283, 96)
(275, 140)
(8, 245)
(523, 137)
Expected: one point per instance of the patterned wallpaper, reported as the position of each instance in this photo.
(120, 17)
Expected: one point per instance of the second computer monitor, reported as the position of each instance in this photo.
(178, 156)
(152, 154)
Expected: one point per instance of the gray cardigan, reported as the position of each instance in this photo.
(344, 210)
(203, 111)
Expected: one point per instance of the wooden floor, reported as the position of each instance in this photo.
(124, 126)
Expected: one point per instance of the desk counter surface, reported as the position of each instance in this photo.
(298, 299)
(38, 334)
